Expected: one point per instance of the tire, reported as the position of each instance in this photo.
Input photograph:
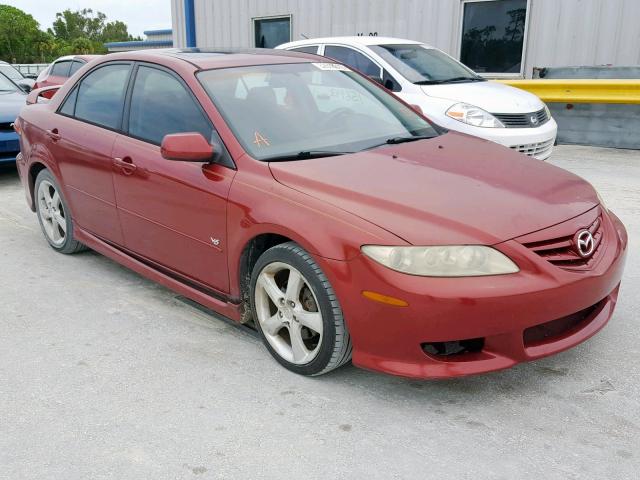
(54, 215)
(283, 325)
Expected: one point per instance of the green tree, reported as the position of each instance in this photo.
(19, 33)
(70, 25)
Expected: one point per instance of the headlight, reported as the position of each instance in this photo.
(548, 112)
(472, 115)
(445, 261)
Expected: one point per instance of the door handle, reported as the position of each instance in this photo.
(125, 164)
(53, 134)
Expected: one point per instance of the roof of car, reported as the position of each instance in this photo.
(203, 58)
(86, 58)
(352, 40)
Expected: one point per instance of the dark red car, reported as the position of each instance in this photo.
(61, 69)
(279, 189)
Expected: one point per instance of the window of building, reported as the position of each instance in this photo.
(101, 95)
(161, 105)
(493, 35)
(271, 32)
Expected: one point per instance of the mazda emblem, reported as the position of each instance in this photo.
(533, 119)
(585, 244)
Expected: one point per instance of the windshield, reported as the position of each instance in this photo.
(421, 64)
(11, 72)
(7, 85)
(313, 109)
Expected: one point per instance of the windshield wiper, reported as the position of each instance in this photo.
(304, 155)
(449, 80)
(395, 140)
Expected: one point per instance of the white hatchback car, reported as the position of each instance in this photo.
(445, 90)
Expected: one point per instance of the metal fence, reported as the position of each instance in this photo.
(30, 68)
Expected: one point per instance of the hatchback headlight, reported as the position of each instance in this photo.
(442, 261)
(472, 115)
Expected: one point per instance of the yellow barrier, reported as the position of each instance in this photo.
(581, 91)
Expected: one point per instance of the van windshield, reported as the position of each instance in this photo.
(424, 65)
(306, 110)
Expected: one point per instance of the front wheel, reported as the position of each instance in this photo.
(297, 312)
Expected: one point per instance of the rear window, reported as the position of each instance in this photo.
(61, 69)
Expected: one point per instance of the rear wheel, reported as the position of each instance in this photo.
(297, 312)
(54, 215)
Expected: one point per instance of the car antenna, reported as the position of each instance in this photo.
(304, 36)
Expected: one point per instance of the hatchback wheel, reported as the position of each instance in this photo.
(297, 312)
(54, 215)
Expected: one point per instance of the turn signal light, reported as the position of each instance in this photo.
(379, 297)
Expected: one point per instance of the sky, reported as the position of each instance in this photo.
(139, 15)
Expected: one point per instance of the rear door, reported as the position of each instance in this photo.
(172, 213)
(81, 138)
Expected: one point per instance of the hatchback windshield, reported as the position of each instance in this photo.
(309, 109)
(424, 65)
(7, 85)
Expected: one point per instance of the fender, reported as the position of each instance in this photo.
(258, 204)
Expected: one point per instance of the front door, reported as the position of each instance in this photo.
(172, 213)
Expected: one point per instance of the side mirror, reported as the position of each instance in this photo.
(186, 147)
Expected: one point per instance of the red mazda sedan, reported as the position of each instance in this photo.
(299, 196)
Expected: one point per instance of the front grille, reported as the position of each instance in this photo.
(523, 120)
(539, 149)
(549, 331)
(561, 251)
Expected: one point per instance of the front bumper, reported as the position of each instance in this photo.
(505, 311)
(535, 142)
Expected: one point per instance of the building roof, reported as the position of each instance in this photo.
(166, 31)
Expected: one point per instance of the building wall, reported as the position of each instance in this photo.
(560, 32)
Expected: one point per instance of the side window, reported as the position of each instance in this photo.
(354, 59)
(306, 49)
(101, 95)
(75, 66)
(61, 69)
(69, 105)
(161, 105)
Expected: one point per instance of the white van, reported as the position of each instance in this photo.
(445, 90)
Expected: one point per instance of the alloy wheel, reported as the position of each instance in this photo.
(288, 313)
(52, 213)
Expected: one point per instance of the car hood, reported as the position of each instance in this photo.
(10, 105)
(453, 189)
(490, 96)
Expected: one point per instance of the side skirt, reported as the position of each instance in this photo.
(218, 305)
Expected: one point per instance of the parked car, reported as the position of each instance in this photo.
(61, 69)
(12, 99)
(445, 90)
(24, 82)
(293, 192)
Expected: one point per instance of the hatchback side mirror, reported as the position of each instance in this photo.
(186, 147)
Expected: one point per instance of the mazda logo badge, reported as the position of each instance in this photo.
(585, 243)
(534, 120)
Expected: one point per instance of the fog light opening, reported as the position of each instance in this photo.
(455, 347)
